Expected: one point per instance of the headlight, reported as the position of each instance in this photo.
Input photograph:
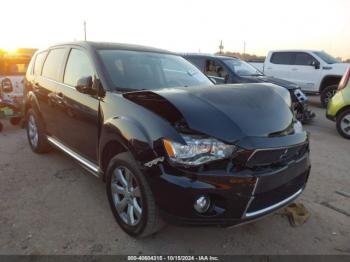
(197, 150)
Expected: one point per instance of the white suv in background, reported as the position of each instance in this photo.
(314, 71)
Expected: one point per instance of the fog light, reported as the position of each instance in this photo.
(202, 204)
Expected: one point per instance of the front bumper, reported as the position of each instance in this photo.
(237, 197)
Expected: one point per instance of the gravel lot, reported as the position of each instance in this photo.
(48, 205)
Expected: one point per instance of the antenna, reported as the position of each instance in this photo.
(84, 30)
(221, 47)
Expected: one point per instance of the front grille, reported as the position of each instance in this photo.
(277, 195)
(278, 156)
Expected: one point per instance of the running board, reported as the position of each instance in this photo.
(86, 164)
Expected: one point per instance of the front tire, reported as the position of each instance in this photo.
(343, 124)
(130, 197)
(327, 93)
(36, 133)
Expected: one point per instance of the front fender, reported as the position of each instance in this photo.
(130, 134)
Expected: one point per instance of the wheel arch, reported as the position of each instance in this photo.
(329, 80)
(347, 107)
(31, 102)
(123, 135)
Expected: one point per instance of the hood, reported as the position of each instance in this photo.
(227, 112)
(270, 79)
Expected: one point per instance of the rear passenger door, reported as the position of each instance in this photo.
(47, 70)
(78, 112)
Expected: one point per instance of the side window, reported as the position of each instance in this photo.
(78, 66)
(282, 58)
(53, 64)
(39, 61)
(304, 59)
(197, 61)
(212, 68)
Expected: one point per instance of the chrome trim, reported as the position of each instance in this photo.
(56, 82)
(251, 198)
(88, 165)
(274, 148)
(279, 204)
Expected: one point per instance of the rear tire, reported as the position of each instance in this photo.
(36, 133)
(1, 127)
(126, 179)
(343, 124)
(327, 93)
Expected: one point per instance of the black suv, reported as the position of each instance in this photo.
(169, 144)
(225, 69)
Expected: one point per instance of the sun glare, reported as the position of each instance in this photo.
(9, 49)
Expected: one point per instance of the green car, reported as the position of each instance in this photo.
(339, 106)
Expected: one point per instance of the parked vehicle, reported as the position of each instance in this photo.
(169, 144)
(225, 69)
(13, 67)
(316, 72)
(339, 106)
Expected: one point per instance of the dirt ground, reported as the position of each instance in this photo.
(48, 205)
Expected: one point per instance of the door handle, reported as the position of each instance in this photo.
(59, 98)
(294, 69)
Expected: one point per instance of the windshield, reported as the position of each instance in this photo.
(327, 58)
(135, 70)
(242, 68)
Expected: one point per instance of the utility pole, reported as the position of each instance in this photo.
(221, 47)
(85, 30)
(244, 44)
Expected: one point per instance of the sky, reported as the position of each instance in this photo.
(182, 25)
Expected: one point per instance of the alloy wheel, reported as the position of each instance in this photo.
(33, 131)
(126, 196)
(345, 124)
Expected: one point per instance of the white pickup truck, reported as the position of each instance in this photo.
(316, 72)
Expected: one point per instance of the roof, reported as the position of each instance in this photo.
(295, 50)
(208, 55)
(121, 46)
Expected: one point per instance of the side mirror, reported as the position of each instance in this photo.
(315, 64)
(84, 85)
(6, 86)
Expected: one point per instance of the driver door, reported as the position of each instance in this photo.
(77, 116)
